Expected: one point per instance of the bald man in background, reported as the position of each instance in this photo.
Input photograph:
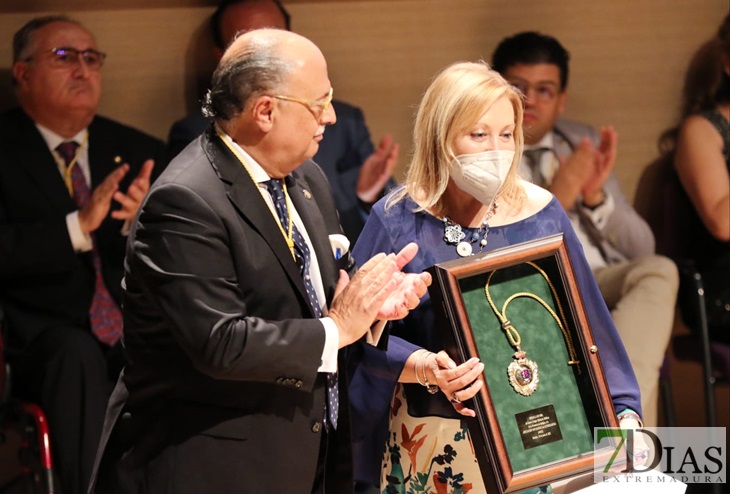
(358, 173)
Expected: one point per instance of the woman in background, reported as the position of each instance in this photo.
(463, 179)
(699, 149)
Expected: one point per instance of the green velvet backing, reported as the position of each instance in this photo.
(545, 345)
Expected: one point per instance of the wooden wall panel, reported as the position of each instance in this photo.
(628, 57)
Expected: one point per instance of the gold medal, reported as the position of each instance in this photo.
(522, 372)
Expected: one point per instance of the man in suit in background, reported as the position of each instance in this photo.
(237, 319)
(358, 173)
(70, 182)
(575, 163)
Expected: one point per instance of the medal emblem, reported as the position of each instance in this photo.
(523, 375)
(522, 372)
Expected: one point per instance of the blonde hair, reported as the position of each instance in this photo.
(456, 99)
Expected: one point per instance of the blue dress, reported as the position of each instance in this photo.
(389, 231)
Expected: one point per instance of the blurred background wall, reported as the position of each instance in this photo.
(628, 57)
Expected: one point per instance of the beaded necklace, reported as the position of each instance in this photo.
(454, 234)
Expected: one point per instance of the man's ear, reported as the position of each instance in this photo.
(20, 71)
(562, 101)
(263, 111)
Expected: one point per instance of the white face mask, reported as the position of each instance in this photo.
(481, 174)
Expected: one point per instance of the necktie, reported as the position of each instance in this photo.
(104, 315)
(534, 158)
(303, 257)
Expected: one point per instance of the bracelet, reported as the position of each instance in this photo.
(415, 366)
(431, 388)
(630, 414)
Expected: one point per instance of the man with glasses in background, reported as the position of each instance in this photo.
(575, 162)
(70, 184)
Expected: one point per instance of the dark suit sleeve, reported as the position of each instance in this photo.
(36, 245)
(34, 203)
(181, 261)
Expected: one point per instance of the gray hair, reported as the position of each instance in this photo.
(23, 38)
(257, 69)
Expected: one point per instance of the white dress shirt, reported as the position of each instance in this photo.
(332, 337)
(80, 241)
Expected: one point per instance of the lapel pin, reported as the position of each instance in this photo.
(306, 193)
(117, 159)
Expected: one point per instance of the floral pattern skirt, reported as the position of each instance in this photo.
(429, 455)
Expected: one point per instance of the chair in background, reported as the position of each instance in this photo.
(657, 197)
(714, 355)
(29, 421)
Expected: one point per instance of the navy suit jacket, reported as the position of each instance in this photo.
(346, 145)
(43, 282)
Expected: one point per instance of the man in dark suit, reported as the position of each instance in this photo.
(237, 319)
(358, 173)
(70, 182)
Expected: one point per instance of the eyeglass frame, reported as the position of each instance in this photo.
(80, 55)
(324, 104)
(520, 84)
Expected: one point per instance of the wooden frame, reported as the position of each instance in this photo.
(492, 431)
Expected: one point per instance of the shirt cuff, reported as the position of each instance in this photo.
(80, 241)
(601, 213)
(331, 346)
(126, 228)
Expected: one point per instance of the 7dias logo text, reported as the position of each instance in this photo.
(691, 455)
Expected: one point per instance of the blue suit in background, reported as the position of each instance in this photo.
(346, 145)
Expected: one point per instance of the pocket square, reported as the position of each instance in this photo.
(340, 245)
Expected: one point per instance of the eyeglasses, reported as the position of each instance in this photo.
(317, 107)
(66, 58)
(544, 91)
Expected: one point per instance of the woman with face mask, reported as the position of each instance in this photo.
(462, 196)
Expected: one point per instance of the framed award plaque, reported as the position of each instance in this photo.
(519, 310)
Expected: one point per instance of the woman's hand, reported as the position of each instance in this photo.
(458, 382)
(641, 450)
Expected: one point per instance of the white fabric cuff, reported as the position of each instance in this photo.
(331, 346)
(126, 228)
(600, 215)
(80, 241)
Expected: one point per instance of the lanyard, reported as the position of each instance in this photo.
(68, 180)
(288, 235)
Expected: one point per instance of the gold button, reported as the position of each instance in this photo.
(317, 427)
